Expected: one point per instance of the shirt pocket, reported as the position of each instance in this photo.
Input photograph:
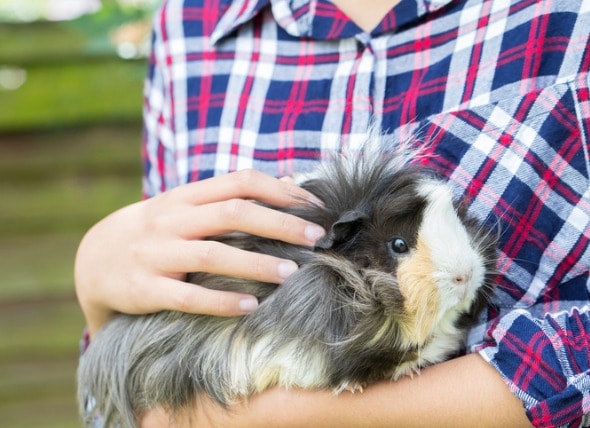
(523, 165)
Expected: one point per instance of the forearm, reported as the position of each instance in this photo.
(463, 392)
(466, 392)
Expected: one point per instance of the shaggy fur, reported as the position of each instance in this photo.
(343, 320)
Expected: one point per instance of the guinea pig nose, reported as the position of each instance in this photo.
(461, 278)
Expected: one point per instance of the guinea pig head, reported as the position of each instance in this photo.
(424, 261)
(446, 269)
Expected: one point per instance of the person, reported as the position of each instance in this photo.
(242, 92)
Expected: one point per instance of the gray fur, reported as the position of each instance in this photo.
(333, 324)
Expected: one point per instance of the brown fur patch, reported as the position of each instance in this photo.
(421, 297)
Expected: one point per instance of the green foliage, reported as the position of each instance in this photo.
(96, 27)
(66, 94)
(23, 44)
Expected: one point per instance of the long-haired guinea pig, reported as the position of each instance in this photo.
(391, 288)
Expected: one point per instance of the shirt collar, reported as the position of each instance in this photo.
(318, 19)
(238, 13)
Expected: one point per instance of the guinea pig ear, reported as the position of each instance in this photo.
(343, 229)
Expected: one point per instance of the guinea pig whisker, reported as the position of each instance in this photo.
(521, 261)
(487, 291)
(483, 236)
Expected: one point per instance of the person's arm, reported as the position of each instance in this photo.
(464, 392)
(135, 260)
(533, 372)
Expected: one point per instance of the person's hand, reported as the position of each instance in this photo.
(135, 260)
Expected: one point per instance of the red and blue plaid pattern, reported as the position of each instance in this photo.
(498, 90)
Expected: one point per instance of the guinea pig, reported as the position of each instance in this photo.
(392, 287)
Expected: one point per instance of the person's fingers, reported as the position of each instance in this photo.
(153, 243)
(180, 296)
(245, 216)
(245, 184)
(217, 258)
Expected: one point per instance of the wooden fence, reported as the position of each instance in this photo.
(69, 154)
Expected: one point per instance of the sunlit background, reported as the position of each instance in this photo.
(71, 76)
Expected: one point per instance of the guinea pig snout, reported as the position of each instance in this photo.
(462, 281)
(464, 278)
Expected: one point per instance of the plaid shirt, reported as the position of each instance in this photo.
(499, 90)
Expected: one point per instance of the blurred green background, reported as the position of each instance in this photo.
(71, 77)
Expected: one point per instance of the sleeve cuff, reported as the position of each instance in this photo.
(545, 363)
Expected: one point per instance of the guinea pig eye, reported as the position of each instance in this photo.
(398, 245)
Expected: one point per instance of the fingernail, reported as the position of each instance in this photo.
(248, 304)
(314, 233)
(286, 269)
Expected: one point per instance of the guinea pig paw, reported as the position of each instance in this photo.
(406, 370)
(414, 371)
(351, 387)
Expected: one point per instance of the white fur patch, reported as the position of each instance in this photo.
(286, 366)
(460, 269)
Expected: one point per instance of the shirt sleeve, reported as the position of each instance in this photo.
(158, 145)
(546, 363)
